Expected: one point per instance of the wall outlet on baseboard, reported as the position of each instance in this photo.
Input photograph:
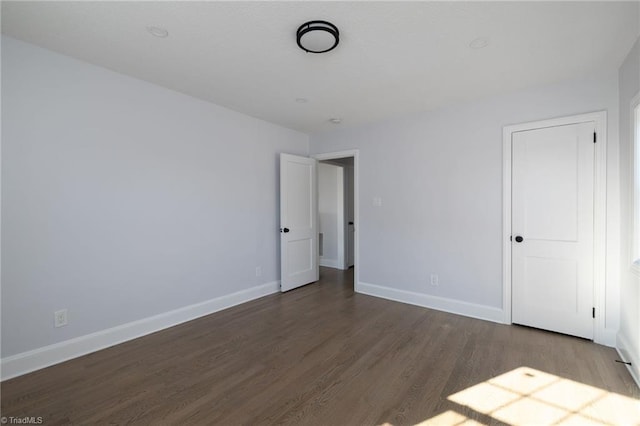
(258, 271)
(434, 279)
(60, 318)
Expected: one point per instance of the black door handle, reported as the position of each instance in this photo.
(350, 223)
(285, 230)
(519, 239)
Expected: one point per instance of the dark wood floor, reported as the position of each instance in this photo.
(320, 354)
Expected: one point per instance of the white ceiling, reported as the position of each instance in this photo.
(394, 58)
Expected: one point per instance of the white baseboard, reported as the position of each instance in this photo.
(26, 362)
(628, 354)
(330, 263)
(466, 309)
(606, 337)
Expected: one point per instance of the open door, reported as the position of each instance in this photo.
(298, 222)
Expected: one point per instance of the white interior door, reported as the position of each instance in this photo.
(298, 222)
(552, 228)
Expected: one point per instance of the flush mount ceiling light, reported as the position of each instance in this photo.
(318, 36)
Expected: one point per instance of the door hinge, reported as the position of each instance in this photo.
(593, 312)
(594, 137)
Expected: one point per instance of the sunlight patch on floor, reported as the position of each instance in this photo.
(526, 396)
(529, 397)
(449, 418)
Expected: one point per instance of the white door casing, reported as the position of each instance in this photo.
(298, 221)
(601, 334)
(552, 228)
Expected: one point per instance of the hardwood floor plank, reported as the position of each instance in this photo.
(317, 355)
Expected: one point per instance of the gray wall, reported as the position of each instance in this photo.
(122, 200)
(439, 175)
(629, 334)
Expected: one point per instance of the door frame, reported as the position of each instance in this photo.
(355, 153)
(600, 335)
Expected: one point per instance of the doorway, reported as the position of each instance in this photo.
(340, 252)
(336, 216)
(554, 225)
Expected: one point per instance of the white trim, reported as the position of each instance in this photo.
(607, 337)
(331, 263)
(452, 306)
(507, 160)
(627, 354)
(634, 168)
(600, 334)
(355, 153)
(36, 359)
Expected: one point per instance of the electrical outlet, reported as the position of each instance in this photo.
(434, 279)
(258, 271)
(60, 318)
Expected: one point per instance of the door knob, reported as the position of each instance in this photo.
(285, 230)
(519, 239)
